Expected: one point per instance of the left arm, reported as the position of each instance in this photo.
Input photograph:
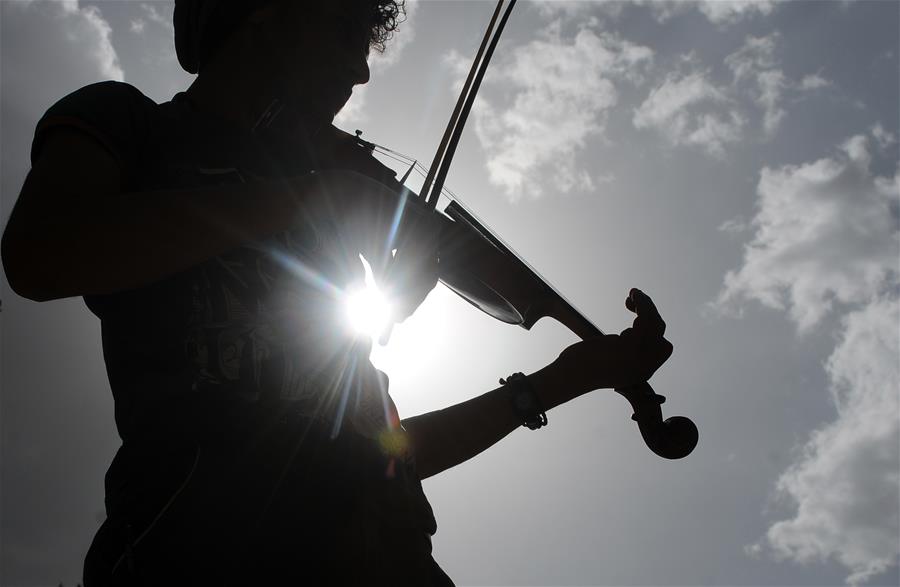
(445, 438)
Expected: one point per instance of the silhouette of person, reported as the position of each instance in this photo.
(259, 444)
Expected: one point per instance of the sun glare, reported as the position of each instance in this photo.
(368, 310)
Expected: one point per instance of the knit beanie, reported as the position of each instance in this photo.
(201, 26)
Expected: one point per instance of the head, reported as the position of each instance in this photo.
(308, 55)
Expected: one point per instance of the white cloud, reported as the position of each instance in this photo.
(689, 108)
(846, 485)
(826, 239)
(719, 12)
(153, 14)
(75, 46)
(682, 110)
(826, 233)
(83, 29)
(755, 63)
(813, 81)
(544, 100)
(883, 137)
(573, 8)
(732, 11)
(734, 226)
(154, 24)
(757, 70)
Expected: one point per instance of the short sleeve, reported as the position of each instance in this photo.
(116, 114)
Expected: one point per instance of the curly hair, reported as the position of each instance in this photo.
(386, 16)
(202, 25)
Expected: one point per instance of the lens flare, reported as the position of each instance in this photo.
(368, 310)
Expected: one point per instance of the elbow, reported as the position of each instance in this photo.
(26, 275)
(25, 285)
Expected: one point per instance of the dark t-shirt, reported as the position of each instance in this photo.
(214, 358)
(257, 322)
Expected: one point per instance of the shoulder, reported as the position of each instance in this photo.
(115, 114)
(97, 100)
(106, 90)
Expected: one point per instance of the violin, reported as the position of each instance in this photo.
(475, 263)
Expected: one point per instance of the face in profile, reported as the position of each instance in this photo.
(316, 52)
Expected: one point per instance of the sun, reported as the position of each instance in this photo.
(418, 344)
(368, 311)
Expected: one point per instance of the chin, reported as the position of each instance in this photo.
(340, 106)
(310, 116)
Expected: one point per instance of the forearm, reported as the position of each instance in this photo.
(445, 438)
(134, 239)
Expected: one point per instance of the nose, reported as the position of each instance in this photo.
(359, 68)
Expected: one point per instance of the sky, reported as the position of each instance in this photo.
(737, 160)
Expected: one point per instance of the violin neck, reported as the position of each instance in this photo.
(566, 314)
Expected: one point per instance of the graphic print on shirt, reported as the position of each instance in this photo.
(236, 341)
(265, 322)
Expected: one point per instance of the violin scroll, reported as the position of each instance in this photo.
(672, 438)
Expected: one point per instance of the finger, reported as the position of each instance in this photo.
(648, 320)
(410, 284)
(383, 379)
(666, 350)
(631, 339)
(660, 354)
(637, 301)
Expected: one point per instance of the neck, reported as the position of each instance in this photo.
(240, 92)
(228, 97)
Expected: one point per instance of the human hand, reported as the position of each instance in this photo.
(619, 360)
(361, 214)
(413, 271)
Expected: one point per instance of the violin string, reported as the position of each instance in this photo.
(382, 148)
(405, 161)
(420, 169)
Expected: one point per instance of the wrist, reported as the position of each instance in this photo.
(524, 401)
(551, 386)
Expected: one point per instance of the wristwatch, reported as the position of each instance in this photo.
(524, 401)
